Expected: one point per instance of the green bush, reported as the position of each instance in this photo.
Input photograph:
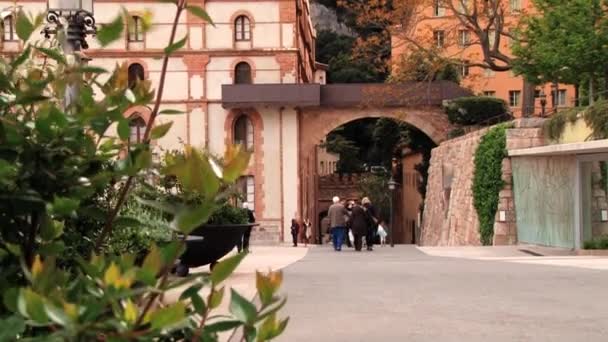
(554, 127)
(596, 243)
(229, 214)
(487, 180)
(475, 110)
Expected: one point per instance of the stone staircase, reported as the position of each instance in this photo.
(266, 234)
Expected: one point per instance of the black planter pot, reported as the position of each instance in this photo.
(208, 244)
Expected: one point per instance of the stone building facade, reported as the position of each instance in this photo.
(251, 42)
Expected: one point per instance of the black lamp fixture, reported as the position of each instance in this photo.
(77, 14)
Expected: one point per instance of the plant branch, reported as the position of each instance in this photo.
(181, 5)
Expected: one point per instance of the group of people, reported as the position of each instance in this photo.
(359, 219)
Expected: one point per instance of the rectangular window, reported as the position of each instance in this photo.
(514, 98)
(464, 38)
(246, 186)
(489, 93)
(8, 30)
(438, 9)
(464, 69)
(439, 37)
(515, 5)
(136, 29)
(561, 98)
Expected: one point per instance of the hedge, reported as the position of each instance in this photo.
(475, 110)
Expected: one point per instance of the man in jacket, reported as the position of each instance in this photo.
(360, 223)
(337, 214)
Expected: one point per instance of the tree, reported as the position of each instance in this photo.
(337, 51)
(567, 44)
(421, 66)
(485, 20)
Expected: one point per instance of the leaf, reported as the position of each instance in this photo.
(53, 54)
(195, 173)
(31, 305)
(37, 267)
(171, 112)
(110, 32)
(10, 327)
(201, 13)
(91, 69)
(25, 55)
(216, 298)
(56, 314)
(225, 268)
(222, 326)
(127, 221)
(190, 218)
(51, 229)
(10, 298)
(112, 275)
(64, 205)
(131, 312)
(168, 316)
(161, 130)
(172, 251)
(24, 26)
(237, 161)
(176, 46)
(153, 261)
(123, 129)
(241, 308)
(264, 288)
(198, 304)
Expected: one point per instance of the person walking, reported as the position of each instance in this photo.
(370, 236)
(337, 217)
(361, 221)
(295, 229)
(247, 234)
(306, 233)
(349, 207)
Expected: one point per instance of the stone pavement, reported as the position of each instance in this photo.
(262, 258)
(403, 294)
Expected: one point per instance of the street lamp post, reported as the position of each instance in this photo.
(75, 19)
(392, 185)
(543, 102)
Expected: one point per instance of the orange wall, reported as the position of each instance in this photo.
(478, 80)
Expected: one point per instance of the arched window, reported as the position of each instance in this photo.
(136, 74)
(136, 29)
(243, 132)
(242, 73)
(137, 127)
(8, 29)
(242, 29)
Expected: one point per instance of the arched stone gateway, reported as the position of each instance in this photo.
(299, 116)
(419, 105)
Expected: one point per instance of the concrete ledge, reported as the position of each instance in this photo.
(592, 252)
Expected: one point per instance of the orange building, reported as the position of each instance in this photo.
(437, 27)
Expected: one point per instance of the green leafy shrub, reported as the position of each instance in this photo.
(456, 132)
(596, 243)
(487, 180)
(554, 127)
(62, 173)
(229, 214)
(476, 110)
(596, 116)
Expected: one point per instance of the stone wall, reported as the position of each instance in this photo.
(450, 218)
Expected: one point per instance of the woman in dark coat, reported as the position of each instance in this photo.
(360, 223)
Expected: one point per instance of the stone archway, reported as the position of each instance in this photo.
(316, 123)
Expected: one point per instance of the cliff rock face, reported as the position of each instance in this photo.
(326, 19)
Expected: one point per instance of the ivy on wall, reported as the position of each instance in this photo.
(487, 180)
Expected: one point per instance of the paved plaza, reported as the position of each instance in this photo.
(404, 294)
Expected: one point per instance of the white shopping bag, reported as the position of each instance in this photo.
(351, 237)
